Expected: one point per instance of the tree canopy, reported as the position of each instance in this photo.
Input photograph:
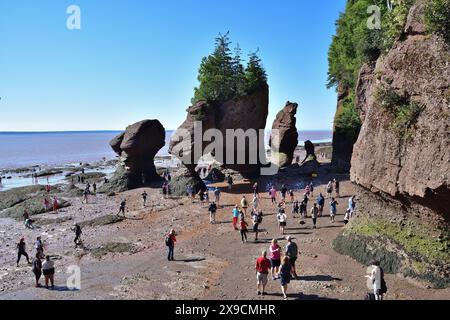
(222, 75)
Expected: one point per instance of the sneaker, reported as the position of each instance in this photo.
(258, 292)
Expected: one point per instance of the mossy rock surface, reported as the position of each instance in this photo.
(15, 196)
(102, 221)
(34, 206)
(401, 247)
(114, 247)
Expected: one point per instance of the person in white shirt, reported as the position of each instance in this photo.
(281, 217)
(376, 279)
(48, 269)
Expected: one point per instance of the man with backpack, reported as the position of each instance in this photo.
(77, 230)
(122, 207)
(257, 217)
(321, 203)
(217, 195)
(292, 253)
(212, 212)
(170, 243)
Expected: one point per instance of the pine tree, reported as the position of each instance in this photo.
(255, 74)
(238, 73)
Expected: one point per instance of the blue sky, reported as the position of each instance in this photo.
(136, 59)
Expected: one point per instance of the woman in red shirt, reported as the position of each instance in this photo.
(170, 242)
(244, 229)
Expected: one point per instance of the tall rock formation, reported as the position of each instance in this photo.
(234, 121)
(284, 136)
(137, 147)
(401, 160)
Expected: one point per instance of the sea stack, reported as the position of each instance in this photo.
(284, 136)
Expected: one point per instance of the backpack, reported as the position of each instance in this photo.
(168, 241)
(259, 218)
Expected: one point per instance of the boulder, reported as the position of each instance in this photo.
(184, 178)
(245, 115)
(284, 136)
(137, 147)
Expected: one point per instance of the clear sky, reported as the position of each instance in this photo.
(136, 59)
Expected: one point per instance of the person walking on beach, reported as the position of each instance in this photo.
(244, 205)
(55, 204)
(292, 253)
(37, 269)
(217, 195)
(275, 258)
(311, 189)
(170, 243)
(144, 197)
(295, 209)
(235, 217)
(285, 276)
(262, 272)
(333, 209)
(229, 181)
(352, 206)
(303, 212)
(244, 230)
(123, 204)
(85, 196)
(376, 279)
(283, 193)
(164, 189)
(321, 204)
(336, 188)
(48, 269)
(38, 245)
(273, 195)
(281, 217)
(212, 212)
(255, 202)
(46, 204)
(314, 214)
(255, 189)
(291, 195)
(78, 232)
(94, 187)
(329, 189)
(257, 217)
(21, 251)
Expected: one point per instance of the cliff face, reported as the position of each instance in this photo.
(401, 160)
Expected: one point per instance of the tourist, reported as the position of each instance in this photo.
(48, 269)
(164, 189)
(336, 188)
(212, 212)
(333, 209)
(37, 269)
(78, 232)
(122, 207)
(217, 195)
(85, 196)
(55, 204)
(283, 193)
(201, 196)
(144, 197)
(244, 229)
(46, 204)
(314, 214)
(21, 251)
(352, 206)
(273, 195)
(292, 253)
(262, 272)
(257, 217)
(255, 202)
(321, 204)
(275, 258)
(255, 189)
(170, 243)
(190, 192)
(291, 195)
(376, 278)
(329, 189)
(285, 276)
(281, 217)
(94, 186)
(347, 216)
(39, 247)
(244, 205)
(235, 217)
(207, 195)
(229, 181)
(306, 200)
(303, 212)
(311, 189)
(295, 209)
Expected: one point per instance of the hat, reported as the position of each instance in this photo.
(288, 238)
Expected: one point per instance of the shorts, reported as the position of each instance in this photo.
(283, 224)
(275, 263)
(262, 278)
(332, 213)
(292, 261)
(285, 280)
(48, 272)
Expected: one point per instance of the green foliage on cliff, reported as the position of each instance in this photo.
(355, 43)
(223, 77)
(347, 121)
(437, 17)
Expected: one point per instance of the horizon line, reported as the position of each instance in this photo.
(112, 130)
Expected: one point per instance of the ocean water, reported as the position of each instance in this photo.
(19, 150)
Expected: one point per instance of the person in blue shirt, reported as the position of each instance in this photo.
(333, 209)
(321, 203)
